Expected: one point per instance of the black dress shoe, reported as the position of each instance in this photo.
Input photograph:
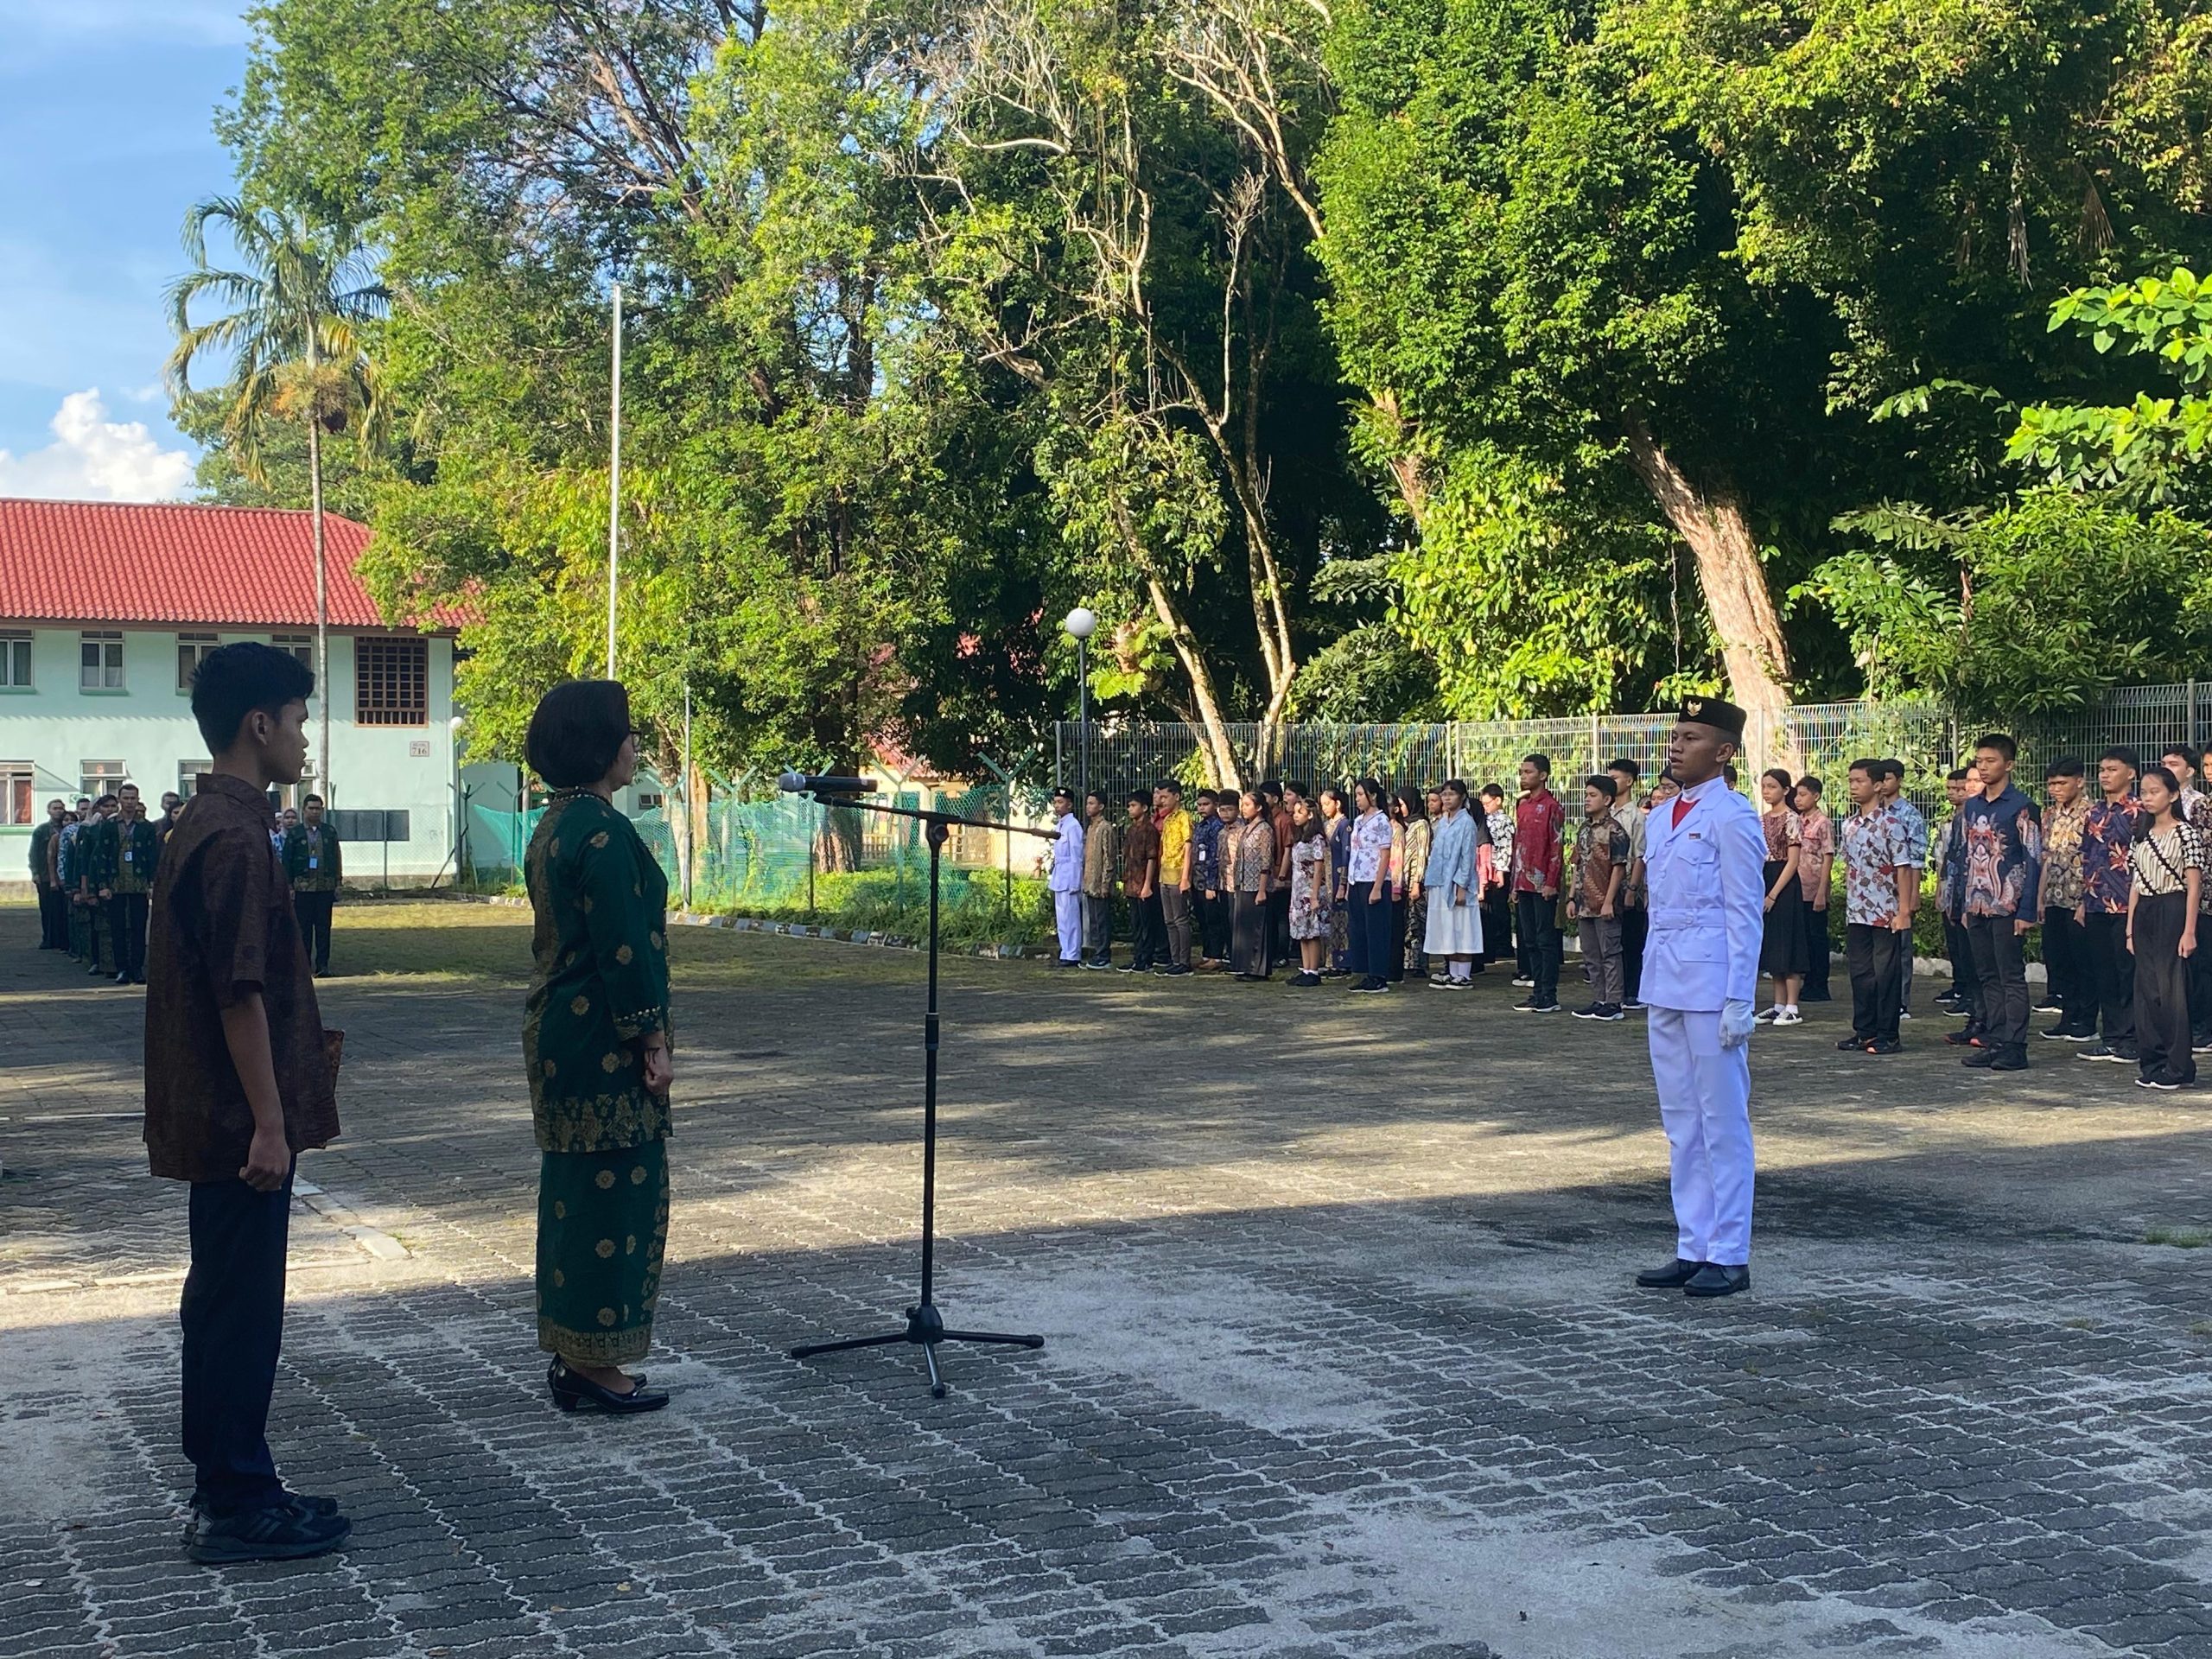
(282, 1532)
(1980, 1060)
(1885, 1046)
(2010, 1059)
(1853, 1041)
(1713, 1280)
(1673, 1276)
(575, 1392)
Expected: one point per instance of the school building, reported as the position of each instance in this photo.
(105, 609)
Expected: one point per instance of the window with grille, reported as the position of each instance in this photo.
(189, 774)
(15, 661)
(17, 781)
(302, 645)
(98, 778)
(99, 657)
(392, 682)
(192, 649)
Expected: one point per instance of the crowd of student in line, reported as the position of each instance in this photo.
(1371, 886)
(93, 871)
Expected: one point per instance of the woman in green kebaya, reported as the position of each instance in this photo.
(596, 1043)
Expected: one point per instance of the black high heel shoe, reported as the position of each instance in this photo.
(575, 1392)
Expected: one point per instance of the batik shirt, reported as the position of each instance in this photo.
(1815, 847)
(2161, 862)
(600, 984)
(2061, 854)
(1501, 840)
(2003, 855)
(1205, 855)
(312, 858)
(1600, 848)
(2107, 834)
(2200, 819)
(1873, 845)
(1370, 847)
(1539, 825)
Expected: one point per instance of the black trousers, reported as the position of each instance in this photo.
(2066, 963)
(1966, 978)
(233, 1319)
(1248, 950)
(2111, 971)
(1369, 930)
(126, 920)
(2000, 963)
(1636, 928)
(1498, 927)
(1539, 927)
(1394, 967)
(2162, 1029)
(1279, 945)
(2200, 984)
(313, 910)
(1871, 951)
(1213, 925)
(1148, 931)
(1818, 958)
(53, 920)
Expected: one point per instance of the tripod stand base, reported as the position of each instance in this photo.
(925, 1329)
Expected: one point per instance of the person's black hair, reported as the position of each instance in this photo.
(1624, 764)
(1892, 767)
(234, 681)
(1337, 790)
(1957, 775)
(311, 800)
(1208, 795)
(2126, 756)
(2188, 753)
(2146, 820)
(1604, 785)
(1271, 786)
(1541, 761)
(576, 731)
(2000, 742)
(1097, 795)
(1375, 796)
(1874, 769)
(1814, 784)
(1459, 784)
(106, 800)
(1172, 786)
(1488, 791)
(1298, 790)
(1415, 805)
(2066, 765)
(1781, 775)
(1729, 773)
(1138, 798)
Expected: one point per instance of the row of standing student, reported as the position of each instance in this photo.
(1361, 884)
(93, 871)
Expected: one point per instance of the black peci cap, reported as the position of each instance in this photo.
(1724, 717)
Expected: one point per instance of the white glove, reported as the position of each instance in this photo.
(1737, 1024)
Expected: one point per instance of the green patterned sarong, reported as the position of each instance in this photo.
(602, 1228)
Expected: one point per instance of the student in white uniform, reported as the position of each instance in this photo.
(1067, 879)
(1704, 866)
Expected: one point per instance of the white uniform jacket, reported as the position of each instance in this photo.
(1707, 878)
(1067, 855)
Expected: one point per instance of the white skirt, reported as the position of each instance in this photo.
(1453, 930)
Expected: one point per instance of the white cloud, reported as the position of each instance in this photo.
(94, 458)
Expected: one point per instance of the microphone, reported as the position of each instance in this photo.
(809, 783)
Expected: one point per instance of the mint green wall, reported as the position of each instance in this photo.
(148, 726)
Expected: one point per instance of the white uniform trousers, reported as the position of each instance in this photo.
(1067, 916)
(1704, 1101)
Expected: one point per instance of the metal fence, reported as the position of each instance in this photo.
(1821, 739)
(785, 856)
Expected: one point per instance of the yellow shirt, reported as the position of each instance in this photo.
(1174, 846)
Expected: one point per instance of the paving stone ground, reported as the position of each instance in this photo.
(1343, 1359)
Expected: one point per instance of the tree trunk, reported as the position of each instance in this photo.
(323, 785)
(1220, 754)
(1711, 519)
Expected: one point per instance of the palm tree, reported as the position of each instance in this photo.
(298, 307)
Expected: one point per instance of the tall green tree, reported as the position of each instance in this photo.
(300, 300)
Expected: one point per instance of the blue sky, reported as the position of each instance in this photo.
(105, 141)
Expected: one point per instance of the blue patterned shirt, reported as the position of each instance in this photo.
(2002, 872)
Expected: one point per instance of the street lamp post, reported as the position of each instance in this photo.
(460, 801)
(1081, 624)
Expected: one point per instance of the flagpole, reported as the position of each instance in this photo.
(614, 486)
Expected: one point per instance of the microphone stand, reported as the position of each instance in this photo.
(926, 1325)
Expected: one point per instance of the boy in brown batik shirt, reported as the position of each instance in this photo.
(238, 1082)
